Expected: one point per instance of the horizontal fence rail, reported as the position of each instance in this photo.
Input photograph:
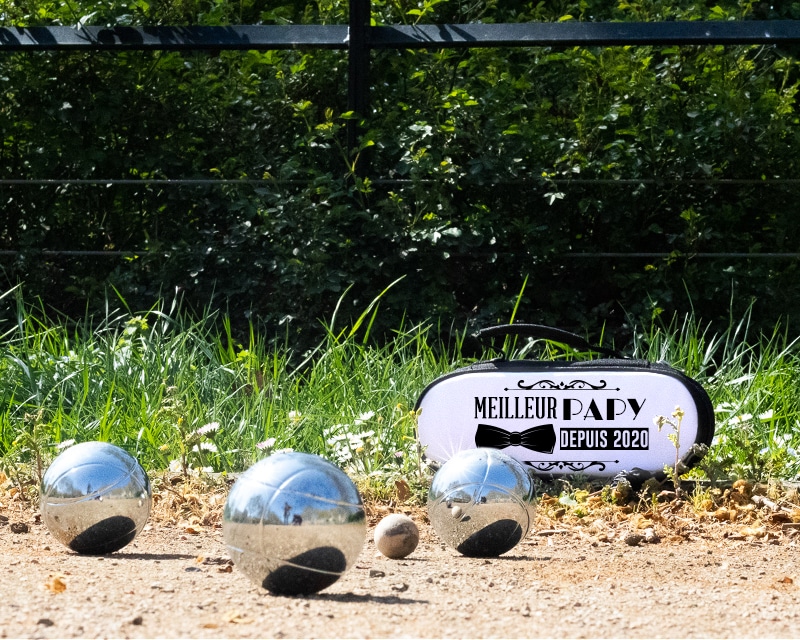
(359, 38)
(530, 34)
(614, 255)
(398, 182)
(174, 38)
(586, 34)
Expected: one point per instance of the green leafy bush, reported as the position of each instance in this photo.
(476, 169)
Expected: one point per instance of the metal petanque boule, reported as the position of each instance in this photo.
(95, 498)
(481, 502)
(294, 523)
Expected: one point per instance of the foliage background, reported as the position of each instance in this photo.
(477, 169)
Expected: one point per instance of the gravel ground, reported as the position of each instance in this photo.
(602, 578)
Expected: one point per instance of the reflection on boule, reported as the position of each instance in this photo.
(481, 502)
(294, 523)
(95, 498)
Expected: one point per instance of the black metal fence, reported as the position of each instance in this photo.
(359, 39)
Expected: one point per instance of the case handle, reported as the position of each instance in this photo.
(545, 333)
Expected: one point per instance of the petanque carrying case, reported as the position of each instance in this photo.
(603, 418)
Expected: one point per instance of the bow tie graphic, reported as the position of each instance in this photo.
(541, 438)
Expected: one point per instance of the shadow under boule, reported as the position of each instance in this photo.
(306, 573)
(492, 540)
(106, 536)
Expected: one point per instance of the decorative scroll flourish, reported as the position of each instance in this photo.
(576, 466)
(574, 385)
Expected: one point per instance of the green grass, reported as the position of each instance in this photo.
(754, 385)
(182, 394)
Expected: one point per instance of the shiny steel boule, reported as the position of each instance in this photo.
(294, 523)
(481, 502)
(95, 498)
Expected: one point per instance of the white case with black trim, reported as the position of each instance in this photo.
(598, 418)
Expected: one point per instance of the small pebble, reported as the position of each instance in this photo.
(650, 536)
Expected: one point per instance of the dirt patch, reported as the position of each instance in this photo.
(670, 569)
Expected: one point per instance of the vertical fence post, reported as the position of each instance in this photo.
(358, 68)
